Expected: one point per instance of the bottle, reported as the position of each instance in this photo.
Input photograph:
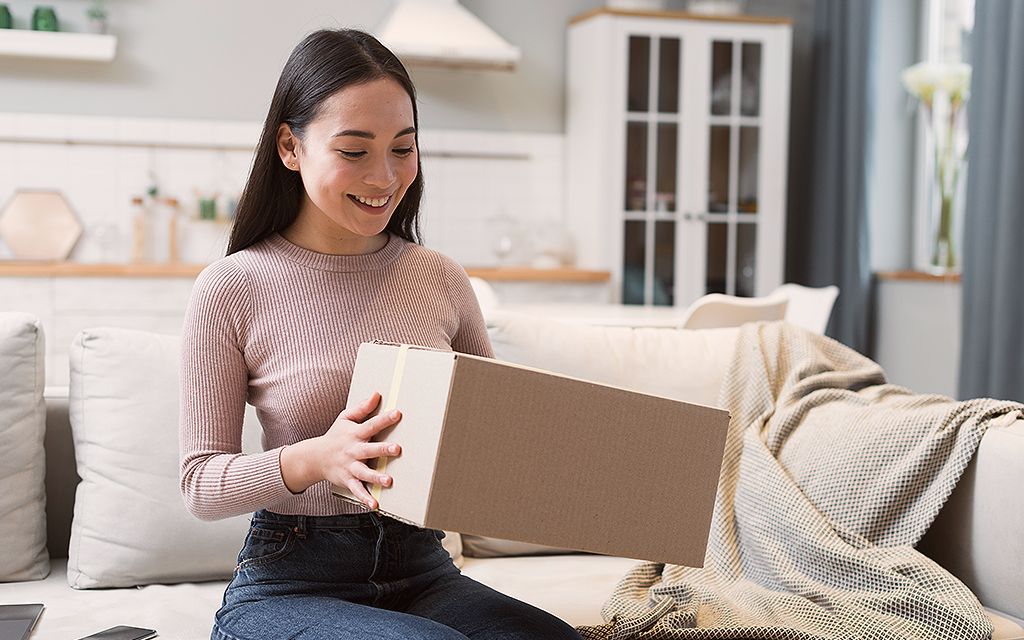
(158, 231)
(173, 253)
(140, 223)
(208, 208)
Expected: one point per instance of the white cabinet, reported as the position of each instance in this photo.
(676, 152)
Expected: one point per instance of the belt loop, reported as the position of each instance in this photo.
(300, 526)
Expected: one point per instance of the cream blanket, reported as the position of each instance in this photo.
(830, 478)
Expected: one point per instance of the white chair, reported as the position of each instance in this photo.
(809, 307)
(717, 310)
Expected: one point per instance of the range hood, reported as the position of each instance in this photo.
(443, 33)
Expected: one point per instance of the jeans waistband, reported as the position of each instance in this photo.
(299, 522)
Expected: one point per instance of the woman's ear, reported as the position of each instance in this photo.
(288, 147)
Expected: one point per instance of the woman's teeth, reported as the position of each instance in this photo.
(373, 202)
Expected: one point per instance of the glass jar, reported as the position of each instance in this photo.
(44, 19)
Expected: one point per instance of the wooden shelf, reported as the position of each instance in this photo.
(40, 269)
(57, 45)
(739, 18)
(917, 276)
(527, 274)
(17, 268)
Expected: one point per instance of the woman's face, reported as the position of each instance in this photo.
(356, 160)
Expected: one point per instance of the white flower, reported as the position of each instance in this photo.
(923, 79)
(956, 81)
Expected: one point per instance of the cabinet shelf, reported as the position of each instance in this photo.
(57, 45)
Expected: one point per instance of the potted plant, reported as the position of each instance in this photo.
(97, 15)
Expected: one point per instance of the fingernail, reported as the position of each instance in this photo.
(394, 414)
(384, 480)
(393, 448)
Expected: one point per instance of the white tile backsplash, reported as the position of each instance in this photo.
(99, 163)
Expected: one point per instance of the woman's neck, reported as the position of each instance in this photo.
(330, 239)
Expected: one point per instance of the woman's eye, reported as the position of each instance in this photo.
(404, 151)
(352, 154)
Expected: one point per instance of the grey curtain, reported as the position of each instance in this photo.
(992, 328)
(827, 227)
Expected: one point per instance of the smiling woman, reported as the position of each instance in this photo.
(324, 256)
(342, 96)
(353, 179)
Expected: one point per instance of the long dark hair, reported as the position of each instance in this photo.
(323, 63)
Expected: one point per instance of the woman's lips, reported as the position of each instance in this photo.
(369, 208)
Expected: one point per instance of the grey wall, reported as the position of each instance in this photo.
(220, 60)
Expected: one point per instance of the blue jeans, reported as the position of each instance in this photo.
(364, 576)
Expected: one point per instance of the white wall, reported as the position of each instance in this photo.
(472, 177)
(221, 59)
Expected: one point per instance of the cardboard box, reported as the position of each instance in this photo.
(501, 450)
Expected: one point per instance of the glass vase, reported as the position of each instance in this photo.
(949, 179)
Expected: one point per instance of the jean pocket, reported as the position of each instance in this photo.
(265, 544)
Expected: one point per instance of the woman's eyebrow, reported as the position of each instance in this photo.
(370, 135)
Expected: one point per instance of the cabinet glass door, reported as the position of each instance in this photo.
(734, 121)
(652, 165)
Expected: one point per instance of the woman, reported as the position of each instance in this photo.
(323, 256)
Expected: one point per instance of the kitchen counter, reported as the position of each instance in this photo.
(17, 268)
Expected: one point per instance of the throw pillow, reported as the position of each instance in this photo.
(682, 364)
(130, 525)
(22, 459)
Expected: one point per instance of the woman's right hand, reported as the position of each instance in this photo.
(339, 455)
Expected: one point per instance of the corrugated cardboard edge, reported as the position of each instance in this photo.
(351, 500)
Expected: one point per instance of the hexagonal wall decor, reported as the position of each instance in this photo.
(39, 225)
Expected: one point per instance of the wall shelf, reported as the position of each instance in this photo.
(46, 269)
(57, 45)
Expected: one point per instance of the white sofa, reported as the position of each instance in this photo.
(129, 527)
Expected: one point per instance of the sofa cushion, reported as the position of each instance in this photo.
(22, 462)
(474, 546)
(686, 365)
(130, 525)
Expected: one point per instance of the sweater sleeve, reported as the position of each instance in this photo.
(471, 336)
(217, 479)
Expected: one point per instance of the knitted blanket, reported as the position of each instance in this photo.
(830, 478)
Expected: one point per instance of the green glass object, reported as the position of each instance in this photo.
(44, 19)
(5, 17)
(207, 209)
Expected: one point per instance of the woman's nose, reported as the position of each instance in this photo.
(381, 174)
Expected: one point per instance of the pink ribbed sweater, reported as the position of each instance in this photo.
(279, 326)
